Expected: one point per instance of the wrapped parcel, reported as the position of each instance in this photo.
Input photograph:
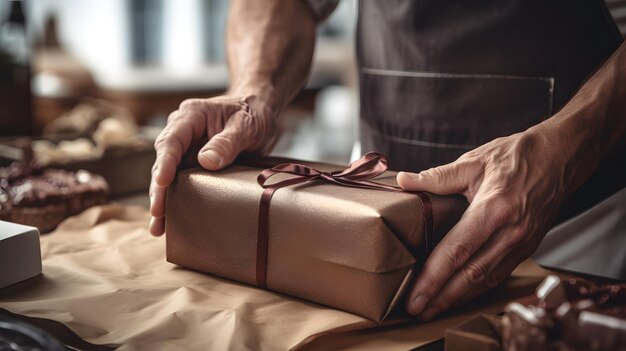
(345, 238)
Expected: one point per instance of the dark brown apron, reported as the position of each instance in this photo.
(439, 78)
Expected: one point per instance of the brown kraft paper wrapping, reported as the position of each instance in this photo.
(350, 248)
(106, 279)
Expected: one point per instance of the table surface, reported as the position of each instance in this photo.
(94, 282)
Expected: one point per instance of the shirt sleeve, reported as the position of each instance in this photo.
(321, 8)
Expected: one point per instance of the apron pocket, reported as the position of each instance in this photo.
(451, 110)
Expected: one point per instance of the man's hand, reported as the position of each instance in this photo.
(270, 45)
(515, 187)
(231, 124)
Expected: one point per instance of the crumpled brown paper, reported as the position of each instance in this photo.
(107, 280)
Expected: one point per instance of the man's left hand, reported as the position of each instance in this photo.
(515, 186)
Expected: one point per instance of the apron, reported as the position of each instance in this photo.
(439, 78)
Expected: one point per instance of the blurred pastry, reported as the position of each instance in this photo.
(44, 197)
(86, 118)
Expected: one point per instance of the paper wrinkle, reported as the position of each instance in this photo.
(106, 279)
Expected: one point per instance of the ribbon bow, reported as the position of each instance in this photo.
(358, 174)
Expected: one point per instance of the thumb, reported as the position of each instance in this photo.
(448, 179)
(222, 149)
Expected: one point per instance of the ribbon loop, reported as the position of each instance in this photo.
(370, 166)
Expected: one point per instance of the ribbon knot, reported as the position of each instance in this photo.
(359, 175)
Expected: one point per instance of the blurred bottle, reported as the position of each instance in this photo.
(15, 94)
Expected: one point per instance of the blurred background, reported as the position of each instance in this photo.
(93, 81)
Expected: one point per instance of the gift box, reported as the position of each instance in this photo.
(348, 238)
(20, 256)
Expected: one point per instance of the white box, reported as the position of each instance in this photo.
(20, 254)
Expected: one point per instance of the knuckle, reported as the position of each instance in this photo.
(502, 210)
(471, 156)
(173, 139)
(435, 173)
(457, 254)
(158, 142)
(173, 116)
(177, 143)
(439, 172)
(466, 161)
(499, 157)
(517, 235)
(166, 141)
(191, 104)
(475, 274)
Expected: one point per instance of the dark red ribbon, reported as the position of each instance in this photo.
(358, 174)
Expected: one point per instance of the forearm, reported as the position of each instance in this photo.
(592, 124)
(270, 46)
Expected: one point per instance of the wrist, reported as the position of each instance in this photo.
(591, 126)
(259, 92)
(570, 144)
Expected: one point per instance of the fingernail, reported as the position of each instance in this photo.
(213, 157)
(418, 304)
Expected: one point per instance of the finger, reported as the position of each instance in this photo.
(478, 223)
(154, 206)
(222, 149)
(170, 145)
(157, 200)
(157, 226)
(453, 178)
(497, 276)
(484, 271)
(173, 141)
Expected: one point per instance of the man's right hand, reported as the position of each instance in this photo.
(228, 124)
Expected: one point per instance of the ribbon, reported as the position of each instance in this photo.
(359, 174)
